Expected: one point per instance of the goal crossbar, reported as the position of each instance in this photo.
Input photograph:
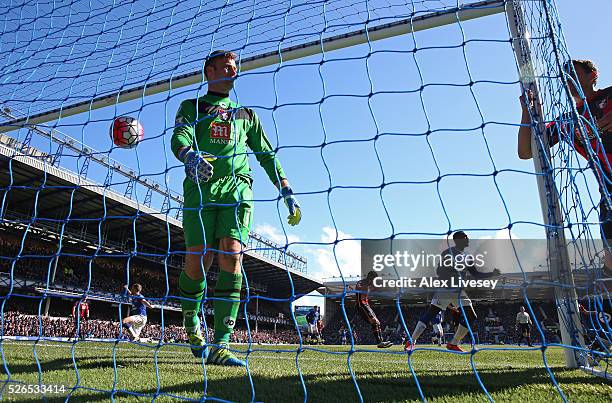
(353, 38)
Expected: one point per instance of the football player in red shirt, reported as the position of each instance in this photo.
(599, 104)
(366, 311)
(80, 313)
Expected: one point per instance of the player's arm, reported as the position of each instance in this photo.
(146, 303)
(198, 165)
(183, 135)
(524, 133)
(260, 144)
(126, 289)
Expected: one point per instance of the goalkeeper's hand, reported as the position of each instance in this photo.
(295, 214)
(197, 165)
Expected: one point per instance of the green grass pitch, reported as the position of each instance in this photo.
(383, 376)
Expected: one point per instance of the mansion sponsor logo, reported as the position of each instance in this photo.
(221, 133)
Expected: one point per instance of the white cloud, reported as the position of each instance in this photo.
(275, 234)
(327, 259)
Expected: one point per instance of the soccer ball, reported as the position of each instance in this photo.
(126, 132)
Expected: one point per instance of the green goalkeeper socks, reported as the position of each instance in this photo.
(226, 310)
(193, 290)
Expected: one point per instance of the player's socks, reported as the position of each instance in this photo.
(459, 335)
(418, 331)
(377, 332)
(226, 310)
(130, 329)
(192, 290)
(221, 355)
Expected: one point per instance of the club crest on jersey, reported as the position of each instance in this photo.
(220, 133)
(225, 114)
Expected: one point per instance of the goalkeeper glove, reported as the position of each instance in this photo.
(197, 164)
(295, 214)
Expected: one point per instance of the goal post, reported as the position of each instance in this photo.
(559, 263)
(357, 37)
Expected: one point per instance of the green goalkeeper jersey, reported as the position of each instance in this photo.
(216, 125)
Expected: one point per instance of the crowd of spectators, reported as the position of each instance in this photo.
(266, 336)
(103, 275)
(37, 260)
(20, 324)
(495, 324)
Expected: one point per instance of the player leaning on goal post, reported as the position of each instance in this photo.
(211, 136)
(599, 104)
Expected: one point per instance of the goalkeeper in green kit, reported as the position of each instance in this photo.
(211, 136)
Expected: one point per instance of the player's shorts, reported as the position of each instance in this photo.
(223, 209)
(523, 328)
(367, 313)
(138, 323)
(442, 298)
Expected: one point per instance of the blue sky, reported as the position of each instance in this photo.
(296, 118)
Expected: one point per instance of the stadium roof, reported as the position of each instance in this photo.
(43, 196)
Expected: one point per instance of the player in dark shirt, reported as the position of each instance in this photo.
(312, 319)
(448, 297)
(438, 331)
(584, 74)
(365, 310)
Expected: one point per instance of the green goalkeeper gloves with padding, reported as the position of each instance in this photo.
(198, 165)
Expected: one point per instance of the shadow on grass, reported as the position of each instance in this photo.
(376, 386)
(89, 363)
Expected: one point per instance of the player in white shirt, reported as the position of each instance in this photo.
(523, 324)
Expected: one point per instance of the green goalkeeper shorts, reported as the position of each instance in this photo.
(219, 209)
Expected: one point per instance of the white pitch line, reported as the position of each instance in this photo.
(280, 356)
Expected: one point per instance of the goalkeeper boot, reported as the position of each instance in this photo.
(384, 344)
(197, 344)
(221, 355)
(408, 346)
